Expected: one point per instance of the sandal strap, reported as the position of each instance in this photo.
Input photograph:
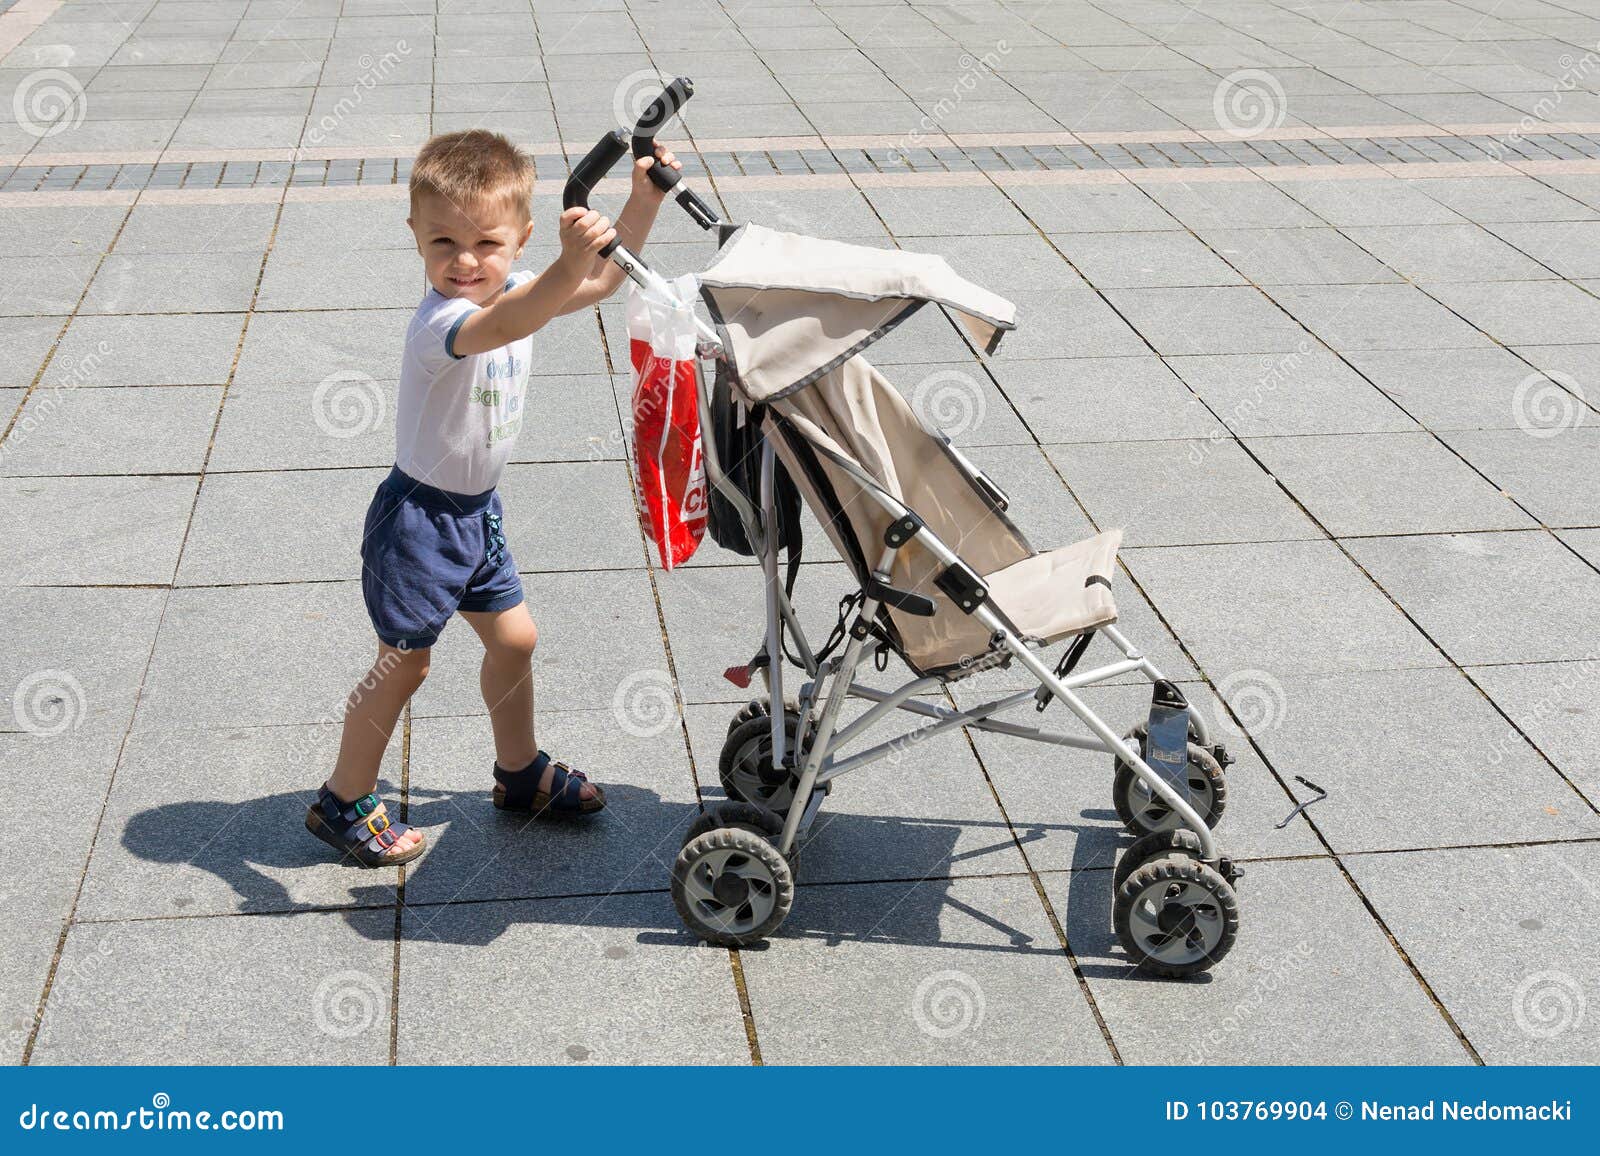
(566, 784)
(365, 820)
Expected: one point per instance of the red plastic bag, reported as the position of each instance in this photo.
(666, 422)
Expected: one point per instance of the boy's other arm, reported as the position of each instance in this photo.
(634, 223)
(531, 306)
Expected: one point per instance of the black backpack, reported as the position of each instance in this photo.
(738, 446)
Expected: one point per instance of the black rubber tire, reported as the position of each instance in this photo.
(1141, 815)
(1207, 940)
(762, 707)
(748, 746)
(737, 842)
(747, 817)
(1154, 845)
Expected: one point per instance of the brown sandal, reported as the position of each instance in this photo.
(519, 790)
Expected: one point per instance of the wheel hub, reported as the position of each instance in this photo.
(730, 890)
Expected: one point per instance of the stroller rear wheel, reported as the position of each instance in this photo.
(761, 707)
(732, 887)
(1176, 916)
(746, 817)
(746, 769)
(1142, 810)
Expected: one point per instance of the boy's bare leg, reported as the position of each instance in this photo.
(506, 679)
(371, 712)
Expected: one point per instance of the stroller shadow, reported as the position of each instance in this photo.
(488, 872)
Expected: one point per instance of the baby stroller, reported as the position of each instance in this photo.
(945, 582)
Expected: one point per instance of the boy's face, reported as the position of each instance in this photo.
(467, 250)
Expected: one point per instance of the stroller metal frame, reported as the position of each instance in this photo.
(831, 681)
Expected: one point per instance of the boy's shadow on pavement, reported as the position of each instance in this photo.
(488, 871)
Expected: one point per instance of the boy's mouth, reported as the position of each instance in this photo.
(466, 282)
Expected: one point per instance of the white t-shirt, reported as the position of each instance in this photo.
(457, 418)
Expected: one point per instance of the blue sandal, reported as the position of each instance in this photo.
(360, 830)
(519, 790)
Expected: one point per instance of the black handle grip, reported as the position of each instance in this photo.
(662, 109)
(588, 172)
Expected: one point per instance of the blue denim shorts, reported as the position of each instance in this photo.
(427, 553)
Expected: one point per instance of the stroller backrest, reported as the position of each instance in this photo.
(854, 413)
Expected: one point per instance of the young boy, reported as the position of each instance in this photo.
(434, 543)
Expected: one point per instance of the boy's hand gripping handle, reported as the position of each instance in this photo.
(591, 170)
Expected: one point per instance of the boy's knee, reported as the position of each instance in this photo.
(409, 667)
(519, 647)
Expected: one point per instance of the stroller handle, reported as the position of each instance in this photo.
(588, 172)
(662, 109)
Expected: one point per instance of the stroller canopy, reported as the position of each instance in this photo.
(791, 308)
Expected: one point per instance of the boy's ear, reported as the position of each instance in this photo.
(527, 232)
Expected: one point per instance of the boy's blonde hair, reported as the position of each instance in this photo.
(473, 167)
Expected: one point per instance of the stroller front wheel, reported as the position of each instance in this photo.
(1143, 811)
(1175, 916)
(731, 887)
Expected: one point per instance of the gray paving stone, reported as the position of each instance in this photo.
(1305, 391)
(1004, 263)
(1459, 252)
(937, 212)
(1524, 312)
(286, 426)
(1069, 322)
(59, 782)
(1145, 260)
(1283, 608)
(1491, 200)
(212, 822)
(317, 225)
(1550, 704)
(24, 344)
(323, 978)
(1585, 542)
(1307, 952)
(93, 531)
(1386, 483)
(1230, 205)
(930, 972)
(959, 399)
(1174, 492)
(1367, 203)
(650, 994)
(283, 347)
(1505, 597)
(1448, 389)
(1296, 256)
(820, 212)
(1554, 477)
(111, 431)
(59, 231)
(1504, 937)
(1226, 319)
(1094, 399)
(1449, 770)
(174, 283)
(341, 278)
(1114, 208)
(1358, 317)
(572, 419)
(596, 629)
(571, 516)
(43, 284)
(634, 748)
(159, 350)
(315, 532)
